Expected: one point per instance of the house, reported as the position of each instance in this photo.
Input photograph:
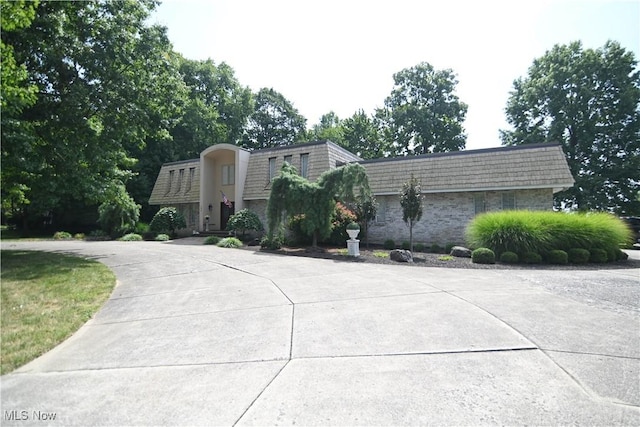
(456, 185)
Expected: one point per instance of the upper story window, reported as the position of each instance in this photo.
(304, 165)
(508, 200)
(228, 174)
(272, 168)
(289, 159)
(192, 174)
(180, 178)
(171, 173)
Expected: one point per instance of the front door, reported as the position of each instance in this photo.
(225, 213)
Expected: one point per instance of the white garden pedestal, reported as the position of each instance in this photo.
(353, 247)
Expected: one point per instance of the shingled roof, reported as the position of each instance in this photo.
(171, 188)
(503, 168)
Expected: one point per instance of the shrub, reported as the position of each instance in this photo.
(557, 256)
(612, 254)
(162, 237)
(119, 214)
(243, 221)
(342, 217)
(79, 236)
(98, 235)
(167, 220)
(532, 258)
(389, 244)
(540, 231)
(435, 248)
(141, 228)
(229, 242)
(353, 226)
(621, 255)
(131, 237)
(483, 256)
(598, 256)
(419, 247)
(509, 257)
(406, 246)
(448, 247)
(62, 235)
(274, 242)
(578, 255)
(211, 240)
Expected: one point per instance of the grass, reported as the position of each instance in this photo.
(381, 254)
(46, 297)
(445, 258)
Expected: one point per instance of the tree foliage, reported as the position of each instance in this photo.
(329, 128)
(168, 220)
(274, 122)
(362, 136)
(411, 203)
(424, 115)
(119, 214)
(291, 194)
(244, 220)
(589, 101)
(100, 93)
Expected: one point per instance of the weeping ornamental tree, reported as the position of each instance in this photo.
(291, 194)
(411, 202)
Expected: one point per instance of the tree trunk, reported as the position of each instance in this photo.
(411, 236)
(314, 240)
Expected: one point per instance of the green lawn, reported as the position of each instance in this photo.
(46, 297)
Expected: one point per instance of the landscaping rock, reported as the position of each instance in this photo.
(401, 255)
(461, 252)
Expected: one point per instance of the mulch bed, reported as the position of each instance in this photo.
(433, 260)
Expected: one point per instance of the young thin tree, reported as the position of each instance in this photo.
(411, 202)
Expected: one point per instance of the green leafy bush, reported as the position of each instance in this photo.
(79, 236)
(141, 228)
(162, 237)
(62, 235)
(229, 242)
(274, 242)
(435, 248)
(419, 247)
(119, 214)
(578, 255)
(542, 231)
(557, 256)
(509, 257)
(621, 255)
(243, 221)
(168, 220)
(612, 254)
(598, 256)
(406, 246)
(448, 247)
(342, 218)
(389, 244)
(131, 237)
(532, 258)
(211, 240)
(483, 256)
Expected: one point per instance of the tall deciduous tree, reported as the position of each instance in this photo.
(101, 93)
(411, 203)
(329, 128)
(424, 113)
(362, 136)
(589, 101)
(291, 194)
(274, 122)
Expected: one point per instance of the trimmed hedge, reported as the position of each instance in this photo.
(211, 240)
(389, 244)
(532, 258)
(598, 256)
(558, 256)
(483, 256)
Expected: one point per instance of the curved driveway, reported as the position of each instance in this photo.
(198, 335)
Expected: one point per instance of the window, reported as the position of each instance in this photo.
(508, 200)
(171, 173)
(381, 212)
(479, 203)
(288, 159)
(272, 168)
(192, 174)
(228, 174)
(180, 177)
(304, 165)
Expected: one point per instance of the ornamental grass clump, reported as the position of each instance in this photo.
(229, 242)
(542, 231)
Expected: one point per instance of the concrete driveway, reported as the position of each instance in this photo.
(198, 335)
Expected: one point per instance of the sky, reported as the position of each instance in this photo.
(340, 56)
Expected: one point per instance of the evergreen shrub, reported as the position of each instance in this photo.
(598, 256)
(406, 246)
(483, 256)
(211, 240)
(419, 247)
(389, 244)
(532, 258)
(557, 256)
(578, 255)
(435, 248)
(509, 257)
